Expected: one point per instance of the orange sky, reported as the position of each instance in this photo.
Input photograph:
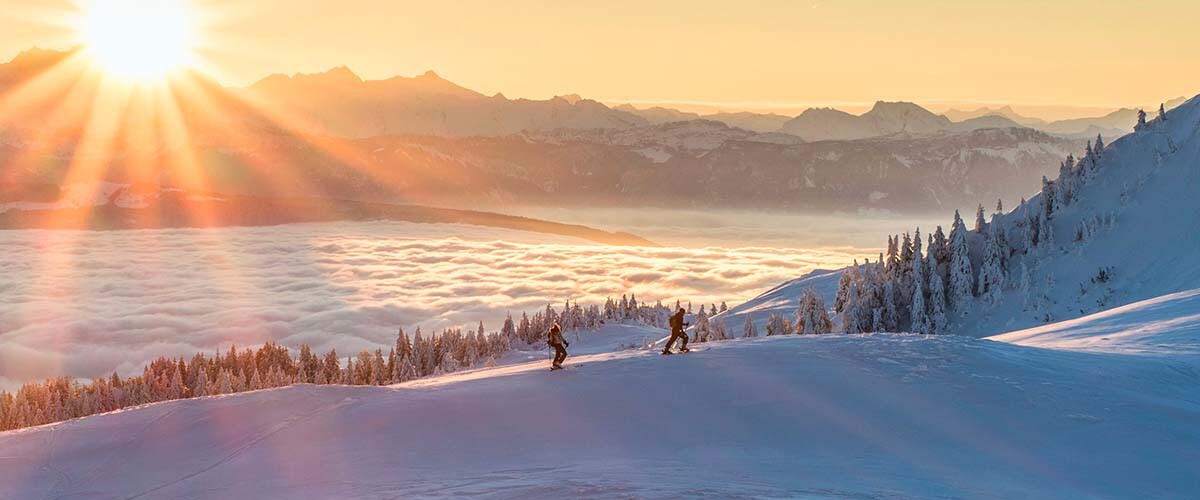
(764, 54)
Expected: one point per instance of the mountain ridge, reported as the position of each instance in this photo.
(339, 102)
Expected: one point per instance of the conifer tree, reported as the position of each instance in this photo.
(702, 326)
(920, 318)
(717, 330)
(991, 274)
(937, 297)
(1023, 286)
(748, 329)
(962, 279)
(332, 369)
(811, 316)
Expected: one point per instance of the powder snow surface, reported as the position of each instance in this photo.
(860, 416)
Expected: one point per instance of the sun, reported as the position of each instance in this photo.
(138, 40)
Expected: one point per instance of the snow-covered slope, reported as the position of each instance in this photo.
(1129, 233)
(862, 416)
(1163, 325)
(1117, 226)
(782, 300)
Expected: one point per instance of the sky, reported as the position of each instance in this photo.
(757, 54)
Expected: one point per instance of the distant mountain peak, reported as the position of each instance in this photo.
(340, 73)
(896, 107)
(572, 99)
(823, 111)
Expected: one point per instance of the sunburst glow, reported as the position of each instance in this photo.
(138, 40)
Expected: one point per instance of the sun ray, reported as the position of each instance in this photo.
(218, 111)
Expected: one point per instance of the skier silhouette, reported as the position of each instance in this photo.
(677, 326)
(559, 344)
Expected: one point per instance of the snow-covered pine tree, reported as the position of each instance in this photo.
(893, 256)
(1141, 120)
(905, 254)
(919, 315)
(408, 371)
(1162, 113)
(991, 273)
(1045, 231)
(980, 222)
(937, 297)
(962, 278)
(748, 329)
(239, 381)
(523, 331)
(1023, 286)
(717, 330)
(842, 296)
(891, 307)
(852, 316)
(939, 245)
(811, 316)
(332, 368)
(378, 375)
(177, 389)
(509, 329)
(702, 327)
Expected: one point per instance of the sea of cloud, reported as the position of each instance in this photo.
(85, 303)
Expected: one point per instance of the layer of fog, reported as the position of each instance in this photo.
(85, 303)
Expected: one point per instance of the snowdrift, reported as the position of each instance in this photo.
(791, 416)
(1164, 325)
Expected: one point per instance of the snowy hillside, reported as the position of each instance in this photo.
(791, 416)
(1163, 325)
(1116, 226)
(783, 300)
(1124, 226)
